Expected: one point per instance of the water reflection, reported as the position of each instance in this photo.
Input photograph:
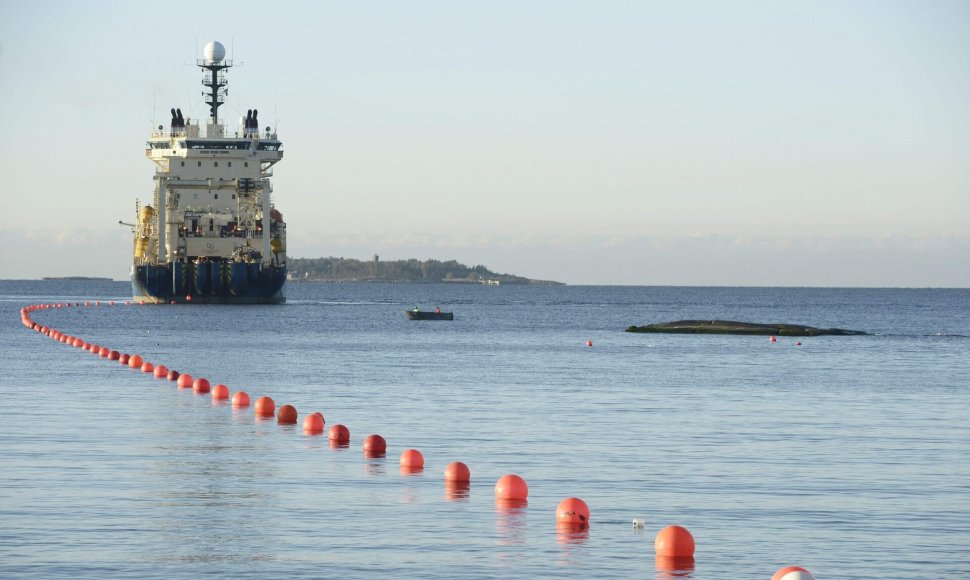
(411, 470)
(571, 534)
(457, 490)
(374, 454)
(510, 520)
(375, 466)
(335, 444)
(669, 568)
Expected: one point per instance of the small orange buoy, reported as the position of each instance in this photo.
(412, 458)
(313, 424)
(375, 444)
(792, 573)
(104, 351)
(572, 511)
(185, 381)
(339, 434)
(457, 472)
(114, 355)
(173, 375)
(220, 392)
(589, 343)
(319, 414)
(772, 339)
(265, 407)
(147, 367)
(161, 371)
(286, 415)
(200, 386)
(798, 344)
(188, 298)
(240, 399)
(124, 359)
(511, 486)
(674, 542)
(135, 361)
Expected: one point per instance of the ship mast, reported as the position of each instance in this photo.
(213, 77)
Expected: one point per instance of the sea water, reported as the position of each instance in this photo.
(849, 456)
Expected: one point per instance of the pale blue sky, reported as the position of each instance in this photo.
(708, 143)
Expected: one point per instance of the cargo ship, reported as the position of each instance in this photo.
(211, 234)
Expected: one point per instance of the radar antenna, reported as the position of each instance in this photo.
(213, 77)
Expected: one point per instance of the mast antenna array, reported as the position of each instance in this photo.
(213, 77)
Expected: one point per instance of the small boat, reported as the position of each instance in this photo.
(428, 315)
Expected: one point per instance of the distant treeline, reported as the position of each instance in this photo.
(427, 271)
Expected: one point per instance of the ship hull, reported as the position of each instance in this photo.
(209, 283)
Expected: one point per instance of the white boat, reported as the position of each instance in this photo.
(211, 233)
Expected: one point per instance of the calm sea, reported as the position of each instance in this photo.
(849, 456)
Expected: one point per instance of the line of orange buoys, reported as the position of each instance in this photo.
(673, 545)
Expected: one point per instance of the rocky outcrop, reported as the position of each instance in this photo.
(733, 327)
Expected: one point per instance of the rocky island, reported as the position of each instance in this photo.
(398, 271)
(733, 327)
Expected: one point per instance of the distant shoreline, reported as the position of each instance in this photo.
(78, 278)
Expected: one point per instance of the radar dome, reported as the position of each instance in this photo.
(214, 52)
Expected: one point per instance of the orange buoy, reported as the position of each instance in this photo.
(287, 415)
(589, 343)
(124, 359)
(457, 472)
(77, 342)
(240, 399)
(412, 458)
(161, 371)
(374, 445)
(772, 339)
(184, 381)
(220, 392)
(572, 511)
(511, 486)
(200, 386)
(188, 298)
(104, 351)
(265, 407)
(147, 367)
(114, 355)
(135, 361)
(798, 344)
(792, 573)
(313, 424)
(319, 414)
(339, 434)
(674, 542)
(173, 375)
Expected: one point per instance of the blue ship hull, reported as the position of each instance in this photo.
(209, 283)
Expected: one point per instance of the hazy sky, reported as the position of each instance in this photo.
(805, 143)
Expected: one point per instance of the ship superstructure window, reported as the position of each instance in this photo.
(205, 144)
(230, 163)
(200, 164)
(183, 164)
(269, 146)
(215, 164)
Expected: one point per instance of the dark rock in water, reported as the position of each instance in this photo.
(732, 327)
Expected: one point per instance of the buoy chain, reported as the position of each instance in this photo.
(673, 545)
